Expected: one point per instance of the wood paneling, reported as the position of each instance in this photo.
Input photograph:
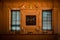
(1, 17)
(59, 18)
(6, 6)
(28, 37)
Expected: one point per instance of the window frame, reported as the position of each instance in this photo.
(51, 21)
(11, 18)
(15, 21)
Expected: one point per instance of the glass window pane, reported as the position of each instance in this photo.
(17, 28)
(13, 28)
(18, 15)
(13, 15)
(44, 28)
(49, 28)
(13, 22)
(18, 22)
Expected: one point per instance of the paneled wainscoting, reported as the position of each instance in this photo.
(28, 37)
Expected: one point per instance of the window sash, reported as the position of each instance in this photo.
(15, 20)
(47, 19)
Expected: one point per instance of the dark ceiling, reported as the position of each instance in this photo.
(27, 0)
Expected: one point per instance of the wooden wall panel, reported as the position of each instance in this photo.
(1, 24)
(59, 18)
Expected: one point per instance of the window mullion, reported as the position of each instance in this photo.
(16, 20)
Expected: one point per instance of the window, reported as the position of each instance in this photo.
(31, 20)
(47, 19)
(15, 20)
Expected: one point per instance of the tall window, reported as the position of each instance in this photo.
(15, 20)
(47, 19)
